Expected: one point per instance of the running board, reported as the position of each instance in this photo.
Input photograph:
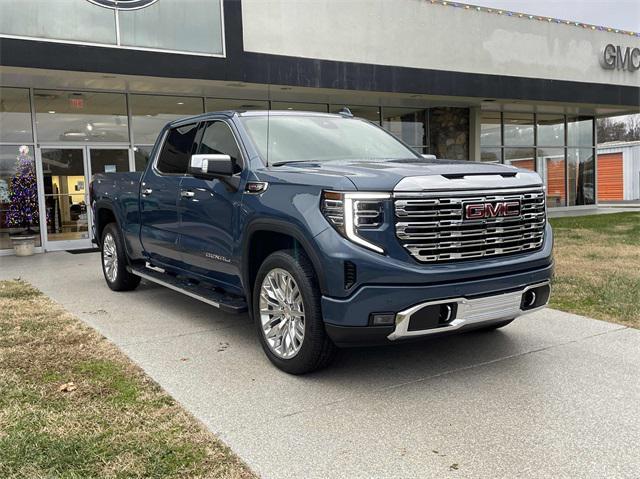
(230, 304)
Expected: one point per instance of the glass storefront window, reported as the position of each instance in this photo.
(68, 116)
(15, 116)
(162, 26)
(141, 156)
(221, 104)
(408, 124)
(550, 130)
(579, 131)
(18, 193)
(285, 105)
(521, 158)
(75, 20)
(581, 173)
(518, 129)
(490, 129)
(551, 166)
(371, 113)
(491, 155)
(109, 160)
(150, 113)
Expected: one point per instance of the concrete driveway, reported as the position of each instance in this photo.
(551, 395)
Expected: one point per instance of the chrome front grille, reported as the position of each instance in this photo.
(433, 228)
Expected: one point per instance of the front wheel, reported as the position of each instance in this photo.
(287, 314)
(114, 261)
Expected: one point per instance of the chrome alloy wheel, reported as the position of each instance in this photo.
(282, 313)
(110, 258)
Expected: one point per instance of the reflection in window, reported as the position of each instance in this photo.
(222, 104)
(550, 130)
(551, 168)
(408, 124)
(491, 155)
(371, 113)
(217, 139)
(193, 26)
(518, 129)
(490, 129)
(581, 174)
(150, 114)
(81, 116)
(109, 160)
(520, 158)
(288, 105)
(17, 163)
(76, 20)
(579, 131)
(141, 156)
(15, 115)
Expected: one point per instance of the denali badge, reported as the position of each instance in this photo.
(123, 4)
(478, 211)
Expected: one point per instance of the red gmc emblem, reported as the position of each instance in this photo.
(479, 211)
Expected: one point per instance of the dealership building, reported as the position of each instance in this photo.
(86, 85)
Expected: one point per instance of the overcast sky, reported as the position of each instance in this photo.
(623, 14)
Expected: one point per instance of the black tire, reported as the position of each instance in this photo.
(494, 326)
(317, 350)
(122, 280)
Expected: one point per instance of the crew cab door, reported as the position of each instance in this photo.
(209, 211)
(160, 193)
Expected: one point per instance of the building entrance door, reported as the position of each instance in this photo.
(65, 183)
(66, 172)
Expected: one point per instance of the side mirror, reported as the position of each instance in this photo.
(210, 166)
(428, 157)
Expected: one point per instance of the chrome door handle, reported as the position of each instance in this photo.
(147, 191)
(187, 194)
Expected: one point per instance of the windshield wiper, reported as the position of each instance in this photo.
(280, 163)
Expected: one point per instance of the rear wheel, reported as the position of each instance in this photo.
(286, 305)
(114, 261)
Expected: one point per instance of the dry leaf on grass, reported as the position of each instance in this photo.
(68, 387)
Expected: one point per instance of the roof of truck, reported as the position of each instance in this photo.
(230, 113)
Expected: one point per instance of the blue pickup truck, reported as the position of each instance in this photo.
(328, 230)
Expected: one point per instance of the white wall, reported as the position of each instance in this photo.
(416, 33)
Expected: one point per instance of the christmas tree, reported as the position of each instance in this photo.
(23, 194)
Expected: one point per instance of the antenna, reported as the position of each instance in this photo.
(345, 112)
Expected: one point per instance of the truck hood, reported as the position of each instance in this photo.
(419, 174)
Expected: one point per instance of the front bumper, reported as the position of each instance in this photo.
(477, 303)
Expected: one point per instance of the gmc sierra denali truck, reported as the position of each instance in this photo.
(327, 229)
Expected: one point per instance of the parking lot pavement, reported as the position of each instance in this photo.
(551, 395)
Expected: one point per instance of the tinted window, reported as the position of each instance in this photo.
(176, 150)
(218, 139)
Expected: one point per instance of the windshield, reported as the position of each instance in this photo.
(321, 138)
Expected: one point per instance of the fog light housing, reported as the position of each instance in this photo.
(535, 297)
(382, 319)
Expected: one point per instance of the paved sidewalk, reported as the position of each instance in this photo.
(551, 395)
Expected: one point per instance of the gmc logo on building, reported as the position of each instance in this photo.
(479, 211)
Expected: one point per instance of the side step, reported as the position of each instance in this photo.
(230, 304)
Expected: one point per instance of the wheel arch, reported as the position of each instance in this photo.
(263, 237)
(103, 215)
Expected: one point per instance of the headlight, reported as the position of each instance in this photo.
(350, 213)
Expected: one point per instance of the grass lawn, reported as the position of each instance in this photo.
(598, 266)
(73, 406)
